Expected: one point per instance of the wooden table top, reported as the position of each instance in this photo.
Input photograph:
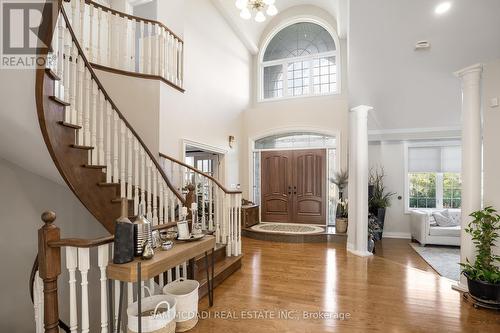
(162, 260)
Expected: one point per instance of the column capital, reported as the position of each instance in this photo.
(477, 68)
(361, 108)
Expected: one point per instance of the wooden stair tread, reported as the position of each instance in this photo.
(52, 74)
(119, 200)
(81, 147)
(89, 166)
(65, 124)
(108, 184)
(58, 100)
(222, 270)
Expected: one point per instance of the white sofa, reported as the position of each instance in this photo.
(424, 229)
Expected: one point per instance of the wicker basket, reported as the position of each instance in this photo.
(153, 322)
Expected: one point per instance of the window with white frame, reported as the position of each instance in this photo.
(300, 60)
(433, 179)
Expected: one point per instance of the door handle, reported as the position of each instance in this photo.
(289, 190)
(295, 190)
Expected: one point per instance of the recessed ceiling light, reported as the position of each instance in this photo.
(442, 8)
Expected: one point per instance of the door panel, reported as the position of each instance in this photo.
(275, 179)
(309, 176)
(293, 186)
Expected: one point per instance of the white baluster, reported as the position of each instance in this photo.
(210, 205)
(177, 272)
(38, 303)
(100, 132)
(130, 150)
(143, 177)
(109, 166)
(238, 223)
(176, 59)
(149, 49)
(184, 270)
(71, 265)
(148, 189)
(82, 22)
(120, 48)
(79, 99)
(156, 39)
(133, 55)
(169, 276)
(93, 131)
(83, 267)
(169, 56)
(161, 47)
(130, 293)
(102, 260)
(109, 49)
(99, 39)
(73, 13)
(204, 194)
(86, 108)
(181, 65)
(142, 58)
(160, 199)
(91, 33)
(66, 79)
(155, 194)
(116, 129)
(166, 202)
(123, 190)
(117, 303)
(137, 192)
(60, 57)
(73, 82)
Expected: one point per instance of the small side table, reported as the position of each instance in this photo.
(142, 270)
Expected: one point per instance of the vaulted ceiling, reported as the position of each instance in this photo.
(250, 32)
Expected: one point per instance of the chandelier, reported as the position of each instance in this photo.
(258, 7)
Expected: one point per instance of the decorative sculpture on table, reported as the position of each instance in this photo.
(124, 237)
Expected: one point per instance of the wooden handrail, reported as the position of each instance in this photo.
(131, 17)
(100, 86)
(88, 243)
(222, 187)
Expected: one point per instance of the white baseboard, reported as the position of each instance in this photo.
(404, 235)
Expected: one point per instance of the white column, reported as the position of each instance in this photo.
(470, 78)
(357, 236)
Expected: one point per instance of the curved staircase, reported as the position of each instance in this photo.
(104, 161)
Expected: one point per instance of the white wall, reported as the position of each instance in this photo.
(217, 83)
(24, 196)
(491, 89)
(410, 89)
(390, 156)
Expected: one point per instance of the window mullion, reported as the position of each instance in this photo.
(439, 190)
(285, 79)
(311, 63)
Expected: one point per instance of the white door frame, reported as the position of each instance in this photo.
(209, 148)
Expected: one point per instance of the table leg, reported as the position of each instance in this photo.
(120, 307)
(139, 297)
(110, 306)
(209, 281)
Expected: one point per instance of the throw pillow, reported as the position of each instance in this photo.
(443, 219)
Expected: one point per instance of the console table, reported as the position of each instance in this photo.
(141, 270)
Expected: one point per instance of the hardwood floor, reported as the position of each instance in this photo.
(394, 291)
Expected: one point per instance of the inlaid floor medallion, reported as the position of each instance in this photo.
(288, 228)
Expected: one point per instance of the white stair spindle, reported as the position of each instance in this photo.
(93, 130)
(130, 293)
(155, 194)
(123, 42)
(157, 34)
(71, 265)
(116, 130)
(109, 49)
(60, 56)
(160, 200)
(117, 304)
(149, 49)
(123, 189)
(100, 131)
(184, 270)
(109, 167)
(98, 48)
(142, 48)
(166, 203)
(181, 65)
(120, 48)
(130, 150)
(79, 99)
(148, 189)
(177, 272)
(137, 192)
(169, 276)
(102, 260)
(133, 48)
(66, 78)
(73, 83)
(143, 179)
(73, 13)
(91, 33)
(161, 48)
(210, 185)
(81, 14)
(204, 194)
(87, 96)
(83, 267)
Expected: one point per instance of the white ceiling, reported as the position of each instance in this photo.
(250, 31)
(416, 89)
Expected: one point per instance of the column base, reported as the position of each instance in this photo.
(460, 287)
(359, 253)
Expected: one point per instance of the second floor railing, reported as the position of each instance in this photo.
(125, 43)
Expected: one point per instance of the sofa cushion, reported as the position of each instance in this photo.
(453, 231)
(446, 219)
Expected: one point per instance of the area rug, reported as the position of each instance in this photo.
(443, 259)
(288, 228)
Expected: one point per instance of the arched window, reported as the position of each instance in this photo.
(300, 60)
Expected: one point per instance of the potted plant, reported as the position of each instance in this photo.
(378, 198)
(341, 179)
(483, 276)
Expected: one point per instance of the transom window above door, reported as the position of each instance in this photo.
(296, 140)
(300, 60)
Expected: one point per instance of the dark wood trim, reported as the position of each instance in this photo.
(88, 243)
(200, 173)
(52, 74)
(131, 17)
(138, 75)
(82, 147)
(63, 123)
(58, 100)
(49, 260)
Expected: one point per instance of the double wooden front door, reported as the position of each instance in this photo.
(293, 186)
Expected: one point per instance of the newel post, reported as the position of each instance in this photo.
(49, 259)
